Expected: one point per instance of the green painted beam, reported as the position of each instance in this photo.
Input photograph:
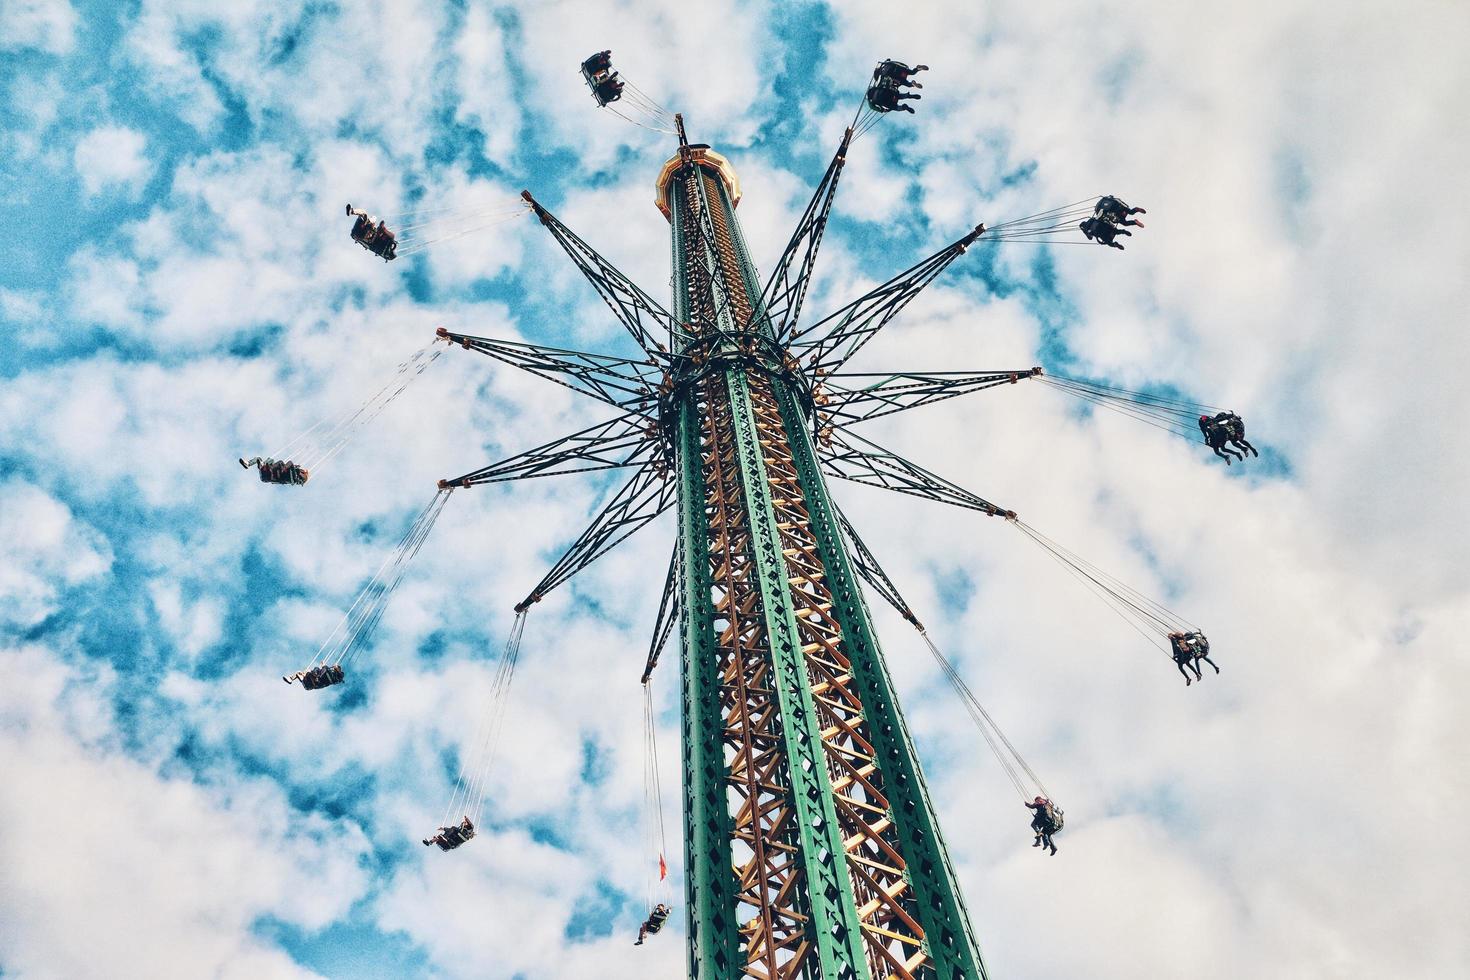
(940, 904)
(834, 926)
(710, 885)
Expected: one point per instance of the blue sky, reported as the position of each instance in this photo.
(179, 290)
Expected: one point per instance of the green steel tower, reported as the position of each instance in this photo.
(812, 849)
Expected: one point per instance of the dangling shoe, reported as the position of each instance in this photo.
(1053, 850)
(1036, 843)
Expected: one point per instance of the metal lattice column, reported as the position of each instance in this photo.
(812, 848)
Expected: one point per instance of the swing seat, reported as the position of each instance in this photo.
(320, 677)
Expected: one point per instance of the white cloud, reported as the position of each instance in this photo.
(112, 158)
(1270, 822)
(47, 25)
(159, 877)
(47, 551)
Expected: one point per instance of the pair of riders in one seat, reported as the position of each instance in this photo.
(1188, 650)
(448, 838)
(885, 91)
(1109, 216)
(316, 678)
(1226, 427)
(373, 234)
(604, 82)
(278, 470)
(1045, 821)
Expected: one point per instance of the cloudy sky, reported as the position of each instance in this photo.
(178, 289)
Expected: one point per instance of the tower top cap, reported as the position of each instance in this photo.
(705, 157)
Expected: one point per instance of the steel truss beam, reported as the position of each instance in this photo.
(927, 898)
(878, 467)
(668, 616)
(627, 302)
(795, 903)
(615, 380)
(630, 439)
(782, 298)
(848, 397)
(645, 496)
(868, 569)
(875, 866)
(720, 302)
(852, 326)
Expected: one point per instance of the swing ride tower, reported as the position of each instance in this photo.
(812, 848)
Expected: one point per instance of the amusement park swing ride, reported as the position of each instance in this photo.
(811, 844)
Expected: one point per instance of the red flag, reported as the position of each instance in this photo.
(663, 869)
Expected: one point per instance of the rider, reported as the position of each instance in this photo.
(653, 923)
(609, 89)
(1110, 208)
(1234, 427)
(1100, 231)
(887, 98)
(1216, 433)
(1042, 823)
(1184, 656)
(598, 64)
(900, 72)
(1199, 645)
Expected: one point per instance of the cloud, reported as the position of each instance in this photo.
(1299, 264)
(48, 553)
(112, 158)
(161, 876)
(46, 25)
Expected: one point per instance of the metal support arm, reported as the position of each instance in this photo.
(784, 293)
(628, 440)
(852, 326)
(627, 302)
(615, 380)
(644, 497)
(877, 467)
(848, 397)
(668, 616)
(871, 572)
